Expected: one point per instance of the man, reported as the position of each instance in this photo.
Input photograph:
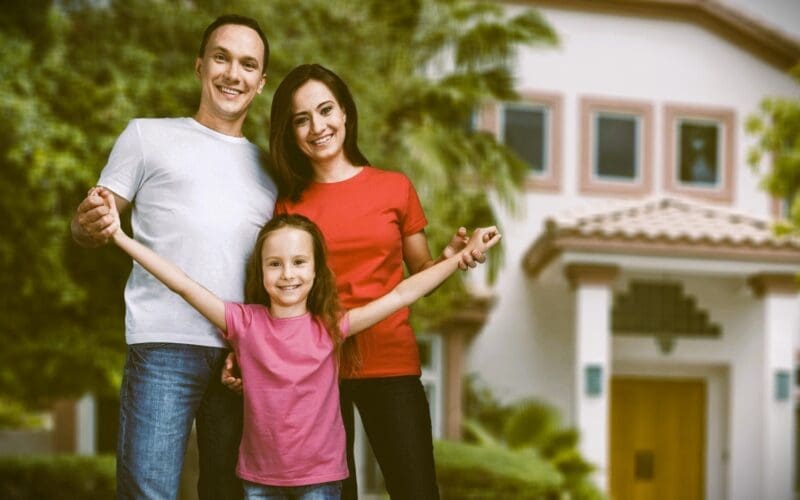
(199, 197)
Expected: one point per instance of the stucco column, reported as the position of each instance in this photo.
(778, 293)
(593, 301)
(457, 332)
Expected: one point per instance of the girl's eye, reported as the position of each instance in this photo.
(301, 120)
(299, 262)
(273, 264)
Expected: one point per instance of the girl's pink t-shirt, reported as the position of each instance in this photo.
(293, 432)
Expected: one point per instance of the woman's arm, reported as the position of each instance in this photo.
(206, 303)
(417, 285)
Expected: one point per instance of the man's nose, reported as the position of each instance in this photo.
(232, 71)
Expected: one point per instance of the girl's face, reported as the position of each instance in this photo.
(287, 262)
(318, 122)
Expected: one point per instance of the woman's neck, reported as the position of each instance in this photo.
(335, 171)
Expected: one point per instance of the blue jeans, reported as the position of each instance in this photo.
(394, 411)
(164, 388)
(323, 491)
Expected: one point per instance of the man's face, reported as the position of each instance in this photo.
(231, 73)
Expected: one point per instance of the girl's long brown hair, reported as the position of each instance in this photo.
(323, 300)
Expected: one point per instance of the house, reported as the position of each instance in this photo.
(644, 294)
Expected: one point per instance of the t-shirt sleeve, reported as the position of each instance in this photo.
(124, 171)
(414, 219)
(238, 318)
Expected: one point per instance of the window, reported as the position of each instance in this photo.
(532, 129)
(471, 122)
(615, 147)
(781, 207)
(525, 132)
(699, 151)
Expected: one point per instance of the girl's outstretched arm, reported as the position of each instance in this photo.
(206, 303)
(419, 284)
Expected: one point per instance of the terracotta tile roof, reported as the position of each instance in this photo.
(674, 219)
(664, 225)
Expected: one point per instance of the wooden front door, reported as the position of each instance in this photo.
(657, 439)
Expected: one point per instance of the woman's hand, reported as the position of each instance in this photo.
(457, 244)
(482, 240)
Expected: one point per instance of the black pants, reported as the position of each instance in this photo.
(395, 415)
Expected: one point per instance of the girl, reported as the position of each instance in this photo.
(286, 342)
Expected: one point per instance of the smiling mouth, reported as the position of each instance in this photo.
(289, 288)
(229, 91)
(322, 141)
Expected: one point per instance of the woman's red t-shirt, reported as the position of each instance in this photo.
(364, 220)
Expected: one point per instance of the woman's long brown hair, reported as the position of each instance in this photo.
(323, 300)
(290, 168)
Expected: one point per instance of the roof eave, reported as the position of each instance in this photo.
(550, 246)
(768, 43)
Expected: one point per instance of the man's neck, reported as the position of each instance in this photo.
(226, 127)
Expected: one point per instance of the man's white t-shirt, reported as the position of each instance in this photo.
(199, 199)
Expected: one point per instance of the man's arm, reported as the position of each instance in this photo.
(92, 226)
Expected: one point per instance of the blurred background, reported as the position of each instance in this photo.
(637, 337)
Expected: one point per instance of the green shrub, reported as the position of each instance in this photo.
(57, 477)
(467, 471)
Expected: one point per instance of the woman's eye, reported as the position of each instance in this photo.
(327, 110)
(300, 121)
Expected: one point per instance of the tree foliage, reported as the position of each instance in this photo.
(74, 72)
(777, 128)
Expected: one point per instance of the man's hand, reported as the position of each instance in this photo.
(93, 224)
(230, 377)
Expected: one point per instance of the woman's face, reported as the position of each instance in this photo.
(318, 122)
